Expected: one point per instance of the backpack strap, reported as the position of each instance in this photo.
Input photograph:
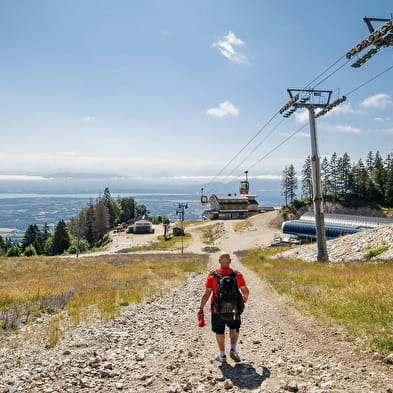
(216, 274)
(219, 276)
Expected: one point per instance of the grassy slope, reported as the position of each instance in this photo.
(356, 296)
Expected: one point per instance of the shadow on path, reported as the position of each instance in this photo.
(244, 375)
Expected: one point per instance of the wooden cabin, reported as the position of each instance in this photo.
(231, 206)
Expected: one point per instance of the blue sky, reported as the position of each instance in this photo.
(172, 90)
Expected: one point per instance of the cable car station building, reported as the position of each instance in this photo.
(231, 206)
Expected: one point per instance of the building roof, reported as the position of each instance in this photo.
(230, 196)
(349, 220)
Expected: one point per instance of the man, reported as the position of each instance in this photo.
(218, 324)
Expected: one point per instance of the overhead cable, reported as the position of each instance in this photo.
(241, 150)
(257, 146)
(369, 80)
(279, 145)
(299, 129)
(274, 116)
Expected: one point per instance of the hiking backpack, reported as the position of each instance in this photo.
(228, 301)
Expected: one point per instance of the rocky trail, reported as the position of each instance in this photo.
(157, 346)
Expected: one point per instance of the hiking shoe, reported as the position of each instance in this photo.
(219, 358)
(235, 356)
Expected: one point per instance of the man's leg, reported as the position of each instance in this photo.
(221, 342)
(234, 336)
(218, 327)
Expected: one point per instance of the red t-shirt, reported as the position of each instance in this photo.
(212, 280)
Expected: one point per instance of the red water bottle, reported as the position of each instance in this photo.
(201, 319)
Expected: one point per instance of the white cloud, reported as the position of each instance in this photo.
(226, 47)
(224, 109)
(350, 129)
(388, 131)
(382, 118)
(344, 108)
(23, 178)
(379, 101)
(266, 177)
(301, 116)
(88, 119)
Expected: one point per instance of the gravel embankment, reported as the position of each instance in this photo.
(349, 248)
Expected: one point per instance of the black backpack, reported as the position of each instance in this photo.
(228, 301)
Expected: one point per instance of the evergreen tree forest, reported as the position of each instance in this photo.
(368, 182)
(86, 231)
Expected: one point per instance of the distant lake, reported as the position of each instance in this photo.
(18, 211)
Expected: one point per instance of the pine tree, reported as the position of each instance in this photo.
(45, 235)
(90, 218)
(378, 176)
(141, 210)
(389, 184)
(334, 176)
(113, 208)
(307, 190)
(61, 238)
(101, 221)
(30, 251)
(292, 183)
(370, 162)
(78, 226)
(13, 251)
(362, 180)
(284, 185)
(33, 237)
(325, 177)
(2, 246)
(343, 174)
(127, 206)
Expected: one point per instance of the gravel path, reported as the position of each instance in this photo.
(158, 347)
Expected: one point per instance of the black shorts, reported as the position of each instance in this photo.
(218, 324)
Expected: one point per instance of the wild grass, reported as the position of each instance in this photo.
(357, 296)
(239, 226)
(30, 287)
(187, 223)
(211, 233)
(160, 244)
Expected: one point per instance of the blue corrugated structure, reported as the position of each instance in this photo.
(335, 225)
(308, 229)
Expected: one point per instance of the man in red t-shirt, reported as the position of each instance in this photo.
(218, 324)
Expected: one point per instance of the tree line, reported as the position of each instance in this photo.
(86, 231)
(368, 182)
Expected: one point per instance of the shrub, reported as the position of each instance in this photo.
(30, 251)
(376, 252)
(14, 251)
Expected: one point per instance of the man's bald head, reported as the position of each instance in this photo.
(224, 259)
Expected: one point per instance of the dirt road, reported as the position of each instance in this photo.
(158, 347)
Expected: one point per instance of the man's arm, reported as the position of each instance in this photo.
(245, 292)
(205, 298)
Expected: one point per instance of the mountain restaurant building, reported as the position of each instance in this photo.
(231, 206)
